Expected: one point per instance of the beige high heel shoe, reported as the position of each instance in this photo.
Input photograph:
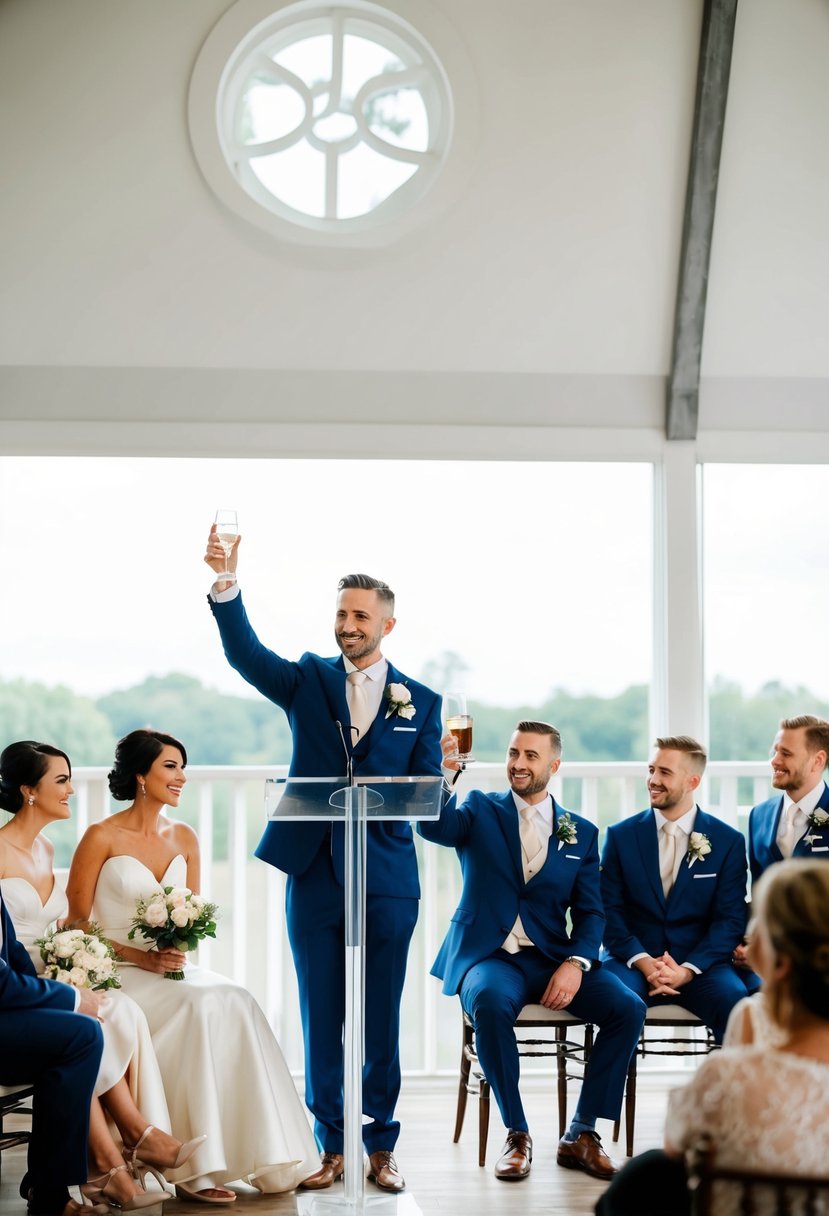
(95, 1192)
(140, 1165)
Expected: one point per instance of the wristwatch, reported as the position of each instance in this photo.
(578, 962)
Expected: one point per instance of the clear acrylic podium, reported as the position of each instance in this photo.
(353, 803)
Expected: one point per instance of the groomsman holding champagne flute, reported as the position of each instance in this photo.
(353, 709)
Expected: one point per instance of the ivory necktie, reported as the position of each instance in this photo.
(358, 705)
(530, 841)
(667, 855)
(788, 840)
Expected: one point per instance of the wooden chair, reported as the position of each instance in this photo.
(556, 1024)
(662, 1018)
(12, 1101)
(754, 1191)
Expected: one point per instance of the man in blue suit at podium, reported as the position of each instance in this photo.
(351, 711)
(527, 865)
(674, 888)
(795, 823)
(45, 1043)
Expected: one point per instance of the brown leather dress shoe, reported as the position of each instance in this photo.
(331, 1170)
(586, 1153)
(516, 1157)
(383, 1171)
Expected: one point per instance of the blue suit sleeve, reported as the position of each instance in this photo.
(618, 939)
(453, 826)
(276, 678)
(20, 987)
(586, 906)
(426, 756)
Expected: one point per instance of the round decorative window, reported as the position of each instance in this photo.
(332, 118)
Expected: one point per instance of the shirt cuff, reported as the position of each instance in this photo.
(224, 597)
(691, 967)
(634, 958)
(77, 998)
(588, 963)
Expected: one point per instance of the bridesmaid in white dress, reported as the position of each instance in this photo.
(222, 1067)
(35, 787)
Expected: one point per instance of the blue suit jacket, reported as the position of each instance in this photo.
(484, 830)
(312, 694)
(763, 823)
(20, 986)
(704, 916)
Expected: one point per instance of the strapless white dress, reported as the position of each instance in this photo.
(128, 1047)
(223, 1071)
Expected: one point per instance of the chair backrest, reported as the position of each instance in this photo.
(752, 1192)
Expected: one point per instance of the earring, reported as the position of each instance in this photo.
(31, 800)
(143, 789)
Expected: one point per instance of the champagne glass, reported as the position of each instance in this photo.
(227, 529)
(458, 723)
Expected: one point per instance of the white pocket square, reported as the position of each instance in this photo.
(406, 728)
(820, 848)
(573, 856)
(705, 876)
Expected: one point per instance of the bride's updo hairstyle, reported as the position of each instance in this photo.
(23, 763)
(134, 756)
(792, 906)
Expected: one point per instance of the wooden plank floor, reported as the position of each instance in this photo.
(443, 1178)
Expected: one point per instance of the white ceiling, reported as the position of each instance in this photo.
(542, 298)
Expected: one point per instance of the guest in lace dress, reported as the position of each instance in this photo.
(764, 1105)
(222, 1068)
(35, 788)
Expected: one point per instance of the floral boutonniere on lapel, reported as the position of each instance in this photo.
(818, 820)
(399, 701)
(566, 830)
(699, 846)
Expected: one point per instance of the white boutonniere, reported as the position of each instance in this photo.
(699, 846)
(399, 701)
(818, 819)
(566, 830)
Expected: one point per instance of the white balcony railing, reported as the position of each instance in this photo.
(225, 805)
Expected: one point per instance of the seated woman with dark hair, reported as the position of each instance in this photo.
(35, 787)
(763, 1105)
(222, 1068)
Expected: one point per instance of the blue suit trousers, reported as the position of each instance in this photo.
(316, 930)
(494, 992)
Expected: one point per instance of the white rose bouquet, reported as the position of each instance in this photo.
(174, 918)
(84, 959)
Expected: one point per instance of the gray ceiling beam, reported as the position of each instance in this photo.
(716, 43)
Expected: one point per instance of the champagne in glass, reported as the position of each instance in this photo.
(227, 529)
(459, 724)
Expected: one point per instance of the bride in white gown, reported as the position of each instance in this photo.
(35, 787)
(223, 1070)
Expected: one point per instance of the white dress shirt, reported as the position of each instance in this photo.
(684, 826)
(804, 809)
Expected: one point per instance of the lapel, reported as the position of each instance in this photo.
(774, 825)
(507, 818)
(685, 873)
(802, 849)
(647, 846)
(333, 685)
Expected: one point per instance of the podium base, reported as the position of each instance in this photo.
(370, 1205)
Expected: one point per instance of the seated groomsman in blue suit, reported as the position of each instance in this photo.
(46, 1044)
(796, 822)
(526, 863)
(674, 889)
(354, 709)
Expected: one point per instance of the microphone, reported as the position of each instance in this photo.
(349, 759)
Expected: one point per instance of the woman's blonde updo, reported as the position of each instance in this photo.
(791, 903)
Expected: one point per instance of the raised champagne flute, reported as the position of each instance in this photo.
(227, 530)
(459, 724)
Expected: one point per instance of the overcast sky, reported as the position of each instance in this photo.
(539, 575)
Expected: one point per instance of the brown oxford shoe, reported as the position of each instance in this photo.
(330, 1171)
(516, 1157)
(383, 1171)
(586, 1153)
